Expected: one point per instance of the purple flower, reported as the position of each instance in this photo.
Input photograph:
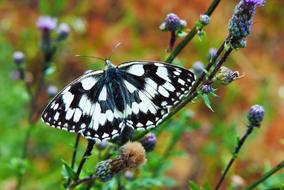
(204, 19)
(206, 89)
(149, 142)
(18, 57)
(46, 23)
(241, 22)
(172, 23)
(255, 115)
(52, 90)
(198, 68)
(63, 31)
(255, 2)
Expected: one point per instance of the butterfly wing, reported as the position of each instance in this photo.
(100, 104)
(81, 108)
(153, 89)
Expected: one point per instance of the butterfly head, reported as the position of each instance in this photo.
(108, 64)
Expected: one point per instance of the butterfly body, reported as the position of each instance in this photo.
(100, 104)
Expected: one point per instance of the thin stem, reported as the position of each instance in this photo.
(266, 176)
(235, 154)
(85, 156)
(88, 179)
(75, 150)
(190, 35)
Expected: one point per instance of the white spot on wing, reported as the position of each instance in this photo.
(56, 116)
(69, 114)
(162, 72)
(181, 81)
(163, 91)
(109, 115)
(67, 99)
(77, 115)
(103, 94)
(169, 86)
(88, 83)
(129, 86)
(135, 108)
(137, 70)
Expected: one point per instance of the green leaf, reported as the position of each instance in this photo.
(193, 186)
(68, 172)
(207, 102)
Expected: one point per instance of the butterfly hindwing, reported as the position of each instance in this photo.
(138, 94)
(154, 88)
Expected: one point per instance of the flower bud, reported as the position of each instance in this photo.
(101, 145)
(51, 90)
(198, 68)
(18, 57)
(63, 31)
(204, 19)
(172, 23)
(46, 23)
(255, 115)
(129, 175)
(206, 89)
(149, 142)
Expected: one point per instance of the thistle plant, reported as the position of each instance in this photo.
(35, 88)
(126, 162)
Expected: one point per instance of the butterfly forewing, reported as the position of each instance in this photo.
(136, 94)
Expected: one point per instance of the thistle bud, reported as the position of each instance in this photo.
(18, 57)
(255, 115)
(149, 142)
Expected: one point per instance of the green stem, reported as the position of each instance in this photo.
(191, 34)
(235, 154)
(266, 176)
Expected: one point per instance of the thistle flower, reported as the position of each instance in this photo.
(172, 23)
(206, 89)
(132, 154)
(46, 23)
(51, 90)
(198, 68)
(101, 145)
(149, 142)
(255, 115)
(18, 57)
(211, 54)
(204, 19)
(241, 22)
(63, 31)
(129, 175)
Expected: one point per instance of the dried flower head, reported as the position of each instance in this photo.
(225, 75)
(134, 154)
(46, 23)
(255, 115)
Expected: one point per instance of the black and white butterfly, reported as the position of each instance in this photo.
(136, 94)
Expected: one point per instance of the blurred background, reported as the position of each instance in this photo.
(96, 27)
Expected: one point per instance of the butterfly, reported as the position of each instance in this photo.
(136, 94)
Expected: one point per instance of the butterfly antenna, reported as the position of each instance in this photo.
(91, 57)
(113, 49)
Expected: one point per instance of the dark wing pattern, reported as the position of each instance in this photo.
(154, 88)
(100, 104)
